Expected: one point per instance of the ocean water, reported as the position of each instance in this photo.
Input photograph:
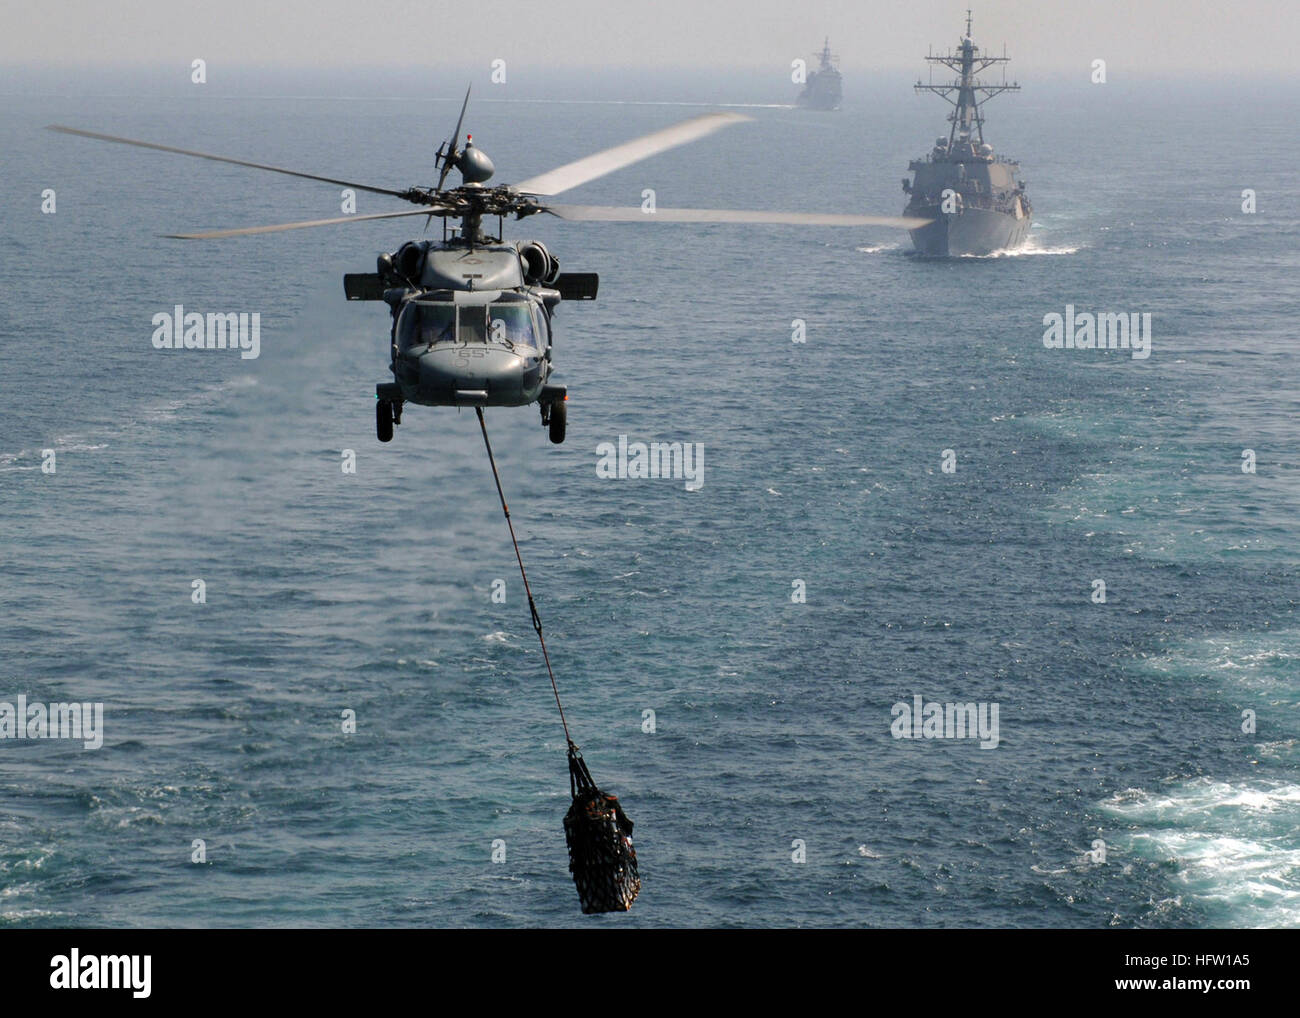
(1124, 790)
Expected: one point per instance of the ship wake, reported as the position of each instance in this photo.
(879, 248)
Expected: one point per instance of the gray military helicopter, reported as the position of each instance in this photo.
(472, 313)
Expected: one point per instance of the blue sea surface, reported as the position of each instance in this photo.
(1128, 789)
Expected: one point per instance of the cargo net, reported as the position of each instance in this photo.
(601, 857)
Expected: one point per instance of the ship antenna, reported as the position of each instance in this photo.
(967, 94)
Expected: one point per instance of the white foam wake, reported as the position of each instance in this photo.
(1235, 846)
(1031, 247)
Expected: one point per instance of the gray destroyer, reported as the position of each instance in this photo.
(824, 87)
(974, 198)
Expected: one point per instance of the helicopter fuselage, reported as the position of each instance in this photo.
(471, 324)
(471, 332)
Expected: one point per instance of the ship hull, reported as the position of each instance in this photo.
(973, 232)
(821, 94)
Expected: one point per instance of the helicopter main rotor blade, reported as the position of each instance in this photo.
(570, 175)
(635, 214)
(220, 159)
(455, 140)
(279, 227)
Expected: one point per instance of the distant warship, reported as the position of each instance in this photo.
(974, 198)
(822, 91)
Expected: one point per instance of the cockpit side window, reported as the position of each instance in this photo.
(541, 328)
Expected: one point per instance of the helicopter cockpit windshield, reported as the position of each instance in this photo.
(473, 323)
(428, 323)
(512, 323)
(503, 321)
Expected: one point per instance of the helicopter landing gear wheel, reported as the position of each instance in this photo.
(384, 420)
(559, 416)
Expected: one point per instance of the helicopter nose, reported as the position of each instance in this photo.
(473, 375)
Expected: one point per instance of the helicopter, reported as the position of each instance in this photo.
(472, 313)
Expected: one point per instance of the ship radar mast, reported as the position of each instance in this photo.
(827, 57)
(967, 94)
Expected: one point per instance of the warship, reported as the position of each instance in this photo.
(822, 90)
(974, 199)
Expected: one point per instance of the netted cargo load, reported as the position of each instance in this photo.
(599, 834)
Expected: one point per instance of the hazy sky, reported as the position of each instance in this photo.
(1135, 37)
